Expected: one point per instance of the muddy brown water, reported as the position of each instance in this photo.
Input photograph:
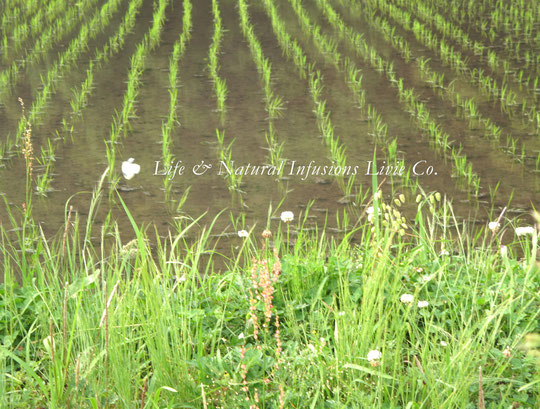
(81, 160)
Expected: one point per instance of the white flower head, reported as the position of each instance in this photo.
(287, 216)
(243, 233)
(494, 226)
(444, 253)
(407, 298)
(522, 231)
(374, 357)
(370, 211)
(130, 169)
(504, 251)
(422, 304)
(443, 343)
(426, 277)
(241, 336)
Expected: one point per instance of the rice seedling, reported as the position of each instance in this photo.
(80, 96)
(227, 169)
(220, 85)
(10, 77)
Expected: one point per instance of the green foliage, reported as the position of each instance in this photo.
(162, 327)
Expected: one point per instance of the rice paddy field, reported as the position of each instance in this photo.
(269, 204)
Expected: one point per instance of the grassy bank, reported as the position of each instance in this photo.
(289, 323)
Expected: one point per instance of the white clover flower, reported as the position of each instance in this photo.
(443, 343)
(494, 226)
(243, 233)
(422, 304)
(241, 336)
(370, 212)
(374, 356)
(287, 216)
(407, 298)
(130, 169)
(48, 342)
(504, 251)
(427, 277)
(522, 231)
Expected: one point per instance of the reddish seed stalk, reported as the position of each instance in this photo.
(143, 393)
(262, 289)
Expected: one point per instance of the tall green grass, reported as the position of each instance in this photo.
(89, 319)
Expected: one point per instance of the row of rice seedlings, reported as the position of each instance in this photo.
(354, 80)
(121, 119)
(389, 33)
(14, 13)
(328, 48)
(54, 34)
(232, 179)
(489, 86)
(114, 44)
(435, 20)
(80, 96)
(65, 63)
(324, 122)
(273, 102)
(379, 131)
(220, 85)
(507, 98)
(25, 30)
(289, 46)
(418, 110)
(509, 23)
(78, 102)
(452, 30)
(172, 119)
(325, 45)
(466, 107)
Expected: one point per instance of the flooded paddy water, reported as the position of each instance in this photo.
(490, 157)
